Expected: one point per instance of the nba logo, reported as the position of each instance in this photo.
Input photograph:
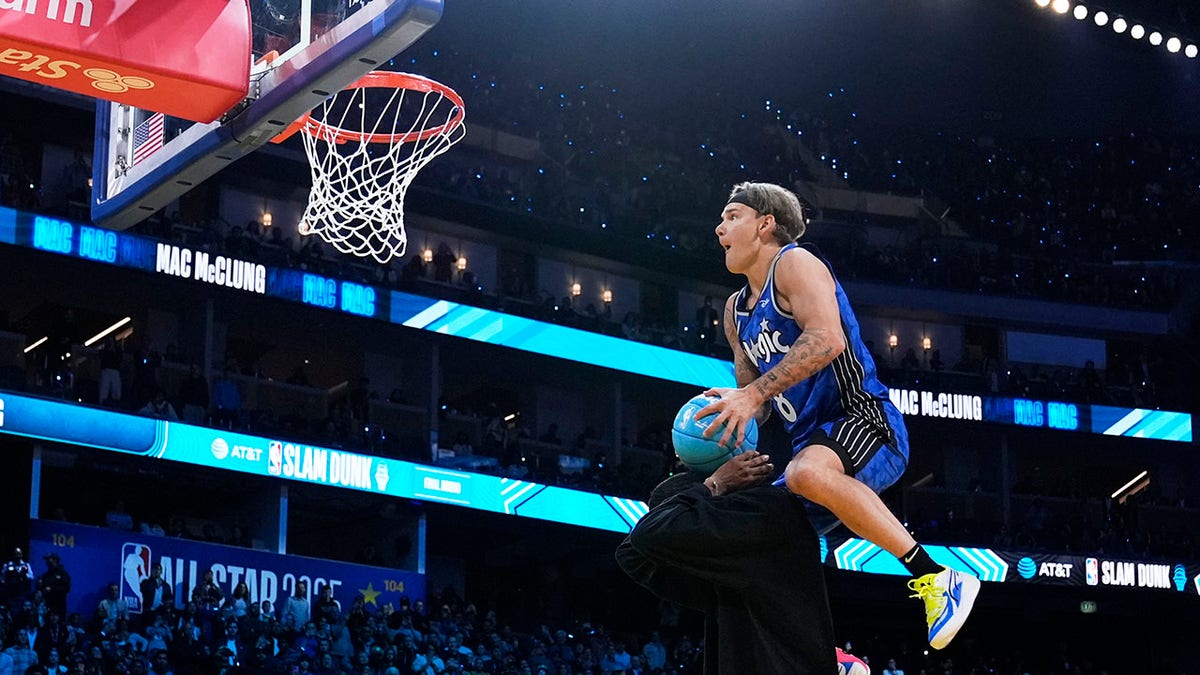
(274, 458)
(1093, 572)
(135, 566)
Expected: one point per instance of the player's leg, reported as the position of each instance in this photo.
(842, 468)
(818, 472)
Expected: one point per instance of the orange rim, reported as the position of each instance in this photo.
(381, 79)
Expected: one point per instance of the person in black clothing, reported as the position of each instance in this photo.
(746, 555)
(55, 583)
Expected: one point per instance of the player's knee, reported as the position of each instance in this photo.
(804, 479)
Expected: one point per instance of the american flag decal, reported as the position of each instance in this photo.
(147, 138)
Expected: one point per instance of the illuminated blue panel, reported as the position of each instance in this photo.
(860, 555)
(107, 430)
(483, 325)
(1141, 423)
(8, 226)
(79, 425)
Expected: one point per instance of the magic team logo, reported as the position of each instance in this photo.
(767, 344)
(135, 566)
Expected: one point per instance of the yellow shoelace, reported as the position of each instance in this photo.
(934, 597)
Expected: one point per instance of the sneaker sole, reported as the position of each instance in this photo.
(970, 589)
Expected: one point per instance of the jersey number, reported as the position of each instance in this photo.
(785, 408)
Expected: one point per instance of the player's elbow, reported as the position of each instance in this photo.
(836, 344)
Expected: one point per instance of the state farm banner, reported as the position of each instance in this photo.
(97, 556)
(185, 59)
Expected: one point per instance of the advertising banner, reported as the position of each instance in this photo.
(858, 555)
(96, 557)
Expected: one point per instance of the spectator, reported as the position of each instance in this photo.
(655, 652)
(226, 399)
(428, 662)
(55, 584)
(160, 408)
(193, 394)
(53, 664)
(237, 604)
(111, 356)
(157, 597)
(327, 608)
(111, 608)
(298, 610)
(443, 263)
(207, 596)
(118, 518)
(17, 579)
(22, 654)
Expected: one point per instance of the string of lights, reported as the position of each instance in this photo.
(1121, 25)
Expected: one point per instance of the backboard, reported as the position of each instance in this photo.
(304, 51)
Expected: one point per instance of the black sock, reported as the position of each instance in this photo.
(919, 563)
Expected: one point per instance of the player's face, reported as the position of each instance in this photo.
(738, 234)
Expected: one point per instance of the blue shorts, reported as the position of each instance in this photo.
(869, 455)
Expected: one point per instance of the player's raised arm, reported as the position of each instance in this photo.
(806, 289)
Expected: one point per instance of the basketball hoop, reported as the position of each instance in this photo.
(365, 145)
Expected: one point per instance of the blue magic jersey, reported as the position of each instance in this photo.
(846, 388)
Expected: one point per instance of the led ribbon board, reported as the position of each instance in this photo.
(57, 421)
(131, 251)
(173, 441)
(859, 555)
(1163, 425)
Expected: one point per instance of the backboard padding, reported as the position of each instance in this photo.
(373, 34)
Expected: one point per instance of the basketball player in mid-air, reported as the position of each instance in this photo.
(796, 346)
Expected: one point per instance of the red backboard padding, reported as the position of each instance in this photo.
(186, 59)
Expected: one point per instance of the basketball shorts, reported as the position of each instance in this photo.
(866, 453)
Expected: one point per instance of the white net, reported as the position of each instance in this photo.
(365, 145)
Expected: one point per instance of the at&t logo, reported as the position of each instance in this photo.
(220, 449)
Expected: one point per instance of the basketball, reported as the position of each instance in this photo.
(700, 454)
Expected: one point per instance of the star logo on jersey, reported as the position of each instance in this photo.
(764, 325)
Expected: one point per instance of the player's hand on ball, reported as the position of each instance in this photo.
(742, 471)
(734, 408)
